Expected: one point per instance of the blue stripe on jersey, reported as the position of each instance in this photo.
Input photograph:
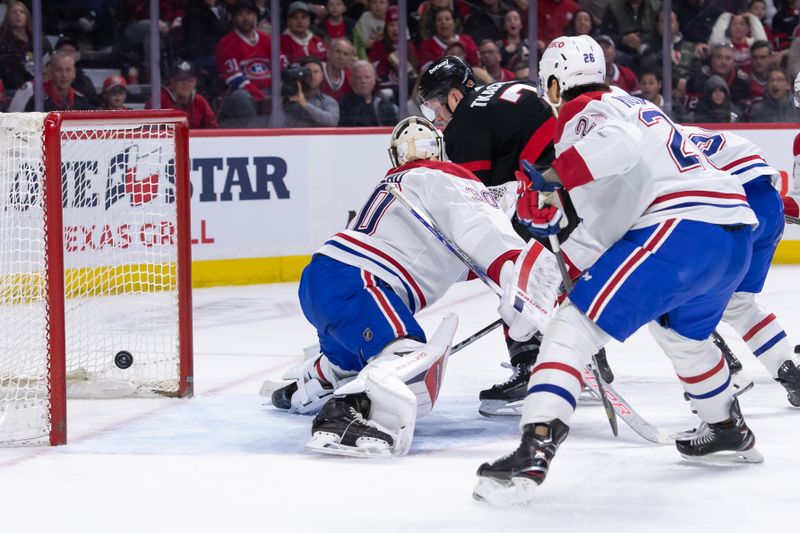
(411, 302)
(745, 169)
(692, 204)
(770, 343)
(712, 393)
(554, 389)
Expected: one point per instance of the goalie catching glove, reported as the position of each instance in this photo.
(538, 204)
(530, 286)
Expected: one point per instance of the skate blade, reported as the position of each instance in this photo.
(500, 408)
(517, 492)
(747, 456)
(741, 383)
(269, 386)
(328, 443)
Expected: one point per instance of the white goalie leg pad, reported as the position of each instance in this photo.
(530, 288)
(316, 379)
(556, 382)
(760, 330)
(402, 385)
(702, 371)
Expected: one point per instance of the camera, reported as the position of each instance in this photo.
(290, 77)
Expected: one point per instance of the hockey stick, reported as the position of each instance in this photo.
(638, 424)
(791, 220)
(601, 386)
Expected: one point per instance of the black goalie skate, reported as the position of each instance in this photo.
(505, 399)
(512, 480)
(730, 439)
(341, 428)
(789, 377)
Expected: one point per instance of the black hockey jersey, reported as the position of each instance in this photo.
(496, 126)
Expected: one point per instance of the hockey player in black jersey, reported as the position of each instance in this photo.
(490, 129)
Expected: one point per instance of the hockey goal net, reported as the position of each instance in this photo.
(95, 264)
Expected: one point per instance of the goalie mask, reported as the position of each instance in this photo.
(415, 138)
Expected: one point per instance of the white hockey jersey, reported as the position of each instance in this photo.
(732, 153)
(791, 202)
(386, 240)
(626, 166)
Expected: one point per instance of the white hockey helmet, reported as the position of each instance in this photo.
(572, 61)
(415, 138)
(797, 90)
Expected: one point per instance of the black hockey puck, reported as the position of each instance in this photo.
(123, 359)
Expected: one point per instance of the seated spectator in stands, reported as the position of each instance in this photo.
(205, 24)
(582, 24)
(721, 64)
(521, 68)
(617, 75)
(485, 20)
(784, 22)
(369, 28)
(298, 41)
(552, 16)
(650, 84)
(244, 64)
(181, 93)
(385, 56)
(336, 25)
(631, 23)
(309, 107)
(513, 43)
(114, 93)
(760, 60)
(740, 31)
(759, 9)
(715, 104)
(490, 61)
(445, 34)
(264, 17)
(58, 92)
(341, 55)
(135, 16)
(426, 27)
(776, 106)
(16, 46)
(363, 107)
(686, 59)
(83, 84)
(697, 18)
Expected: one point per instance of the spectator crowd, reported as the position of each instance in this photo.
(732, 60)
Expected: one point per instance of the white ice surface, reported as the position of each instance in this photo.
(223, 461)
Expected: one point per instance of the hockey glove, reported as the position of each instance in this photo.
(537, 180)
(542, 220)
(529, 291)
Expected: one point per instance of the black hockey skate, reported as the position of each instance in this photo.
(512, 480)
(505, 399)
(341, 428)
(789, 377)
(730, 439)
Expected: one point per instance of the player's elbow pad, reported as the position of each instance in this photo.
(613, 149)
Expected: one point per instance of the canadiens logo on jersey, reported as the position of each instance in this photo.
(257, 69)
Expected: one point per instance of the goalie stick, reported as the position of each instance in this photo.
(622, 408)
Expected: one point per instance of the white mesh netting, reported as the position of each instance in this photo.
(120, 262)
(24, 331)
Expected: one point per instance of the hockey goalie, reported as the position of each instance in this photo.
(376, 371)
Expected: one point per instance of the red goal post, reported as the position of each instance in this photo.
(95, 269)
